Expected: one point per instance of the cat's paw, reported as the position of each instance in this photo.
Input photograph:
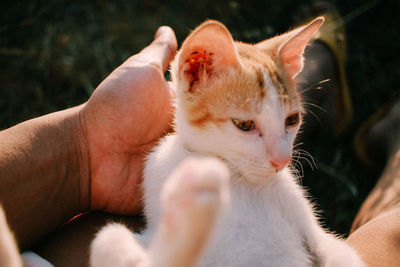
(342, 254)
(198, 187)
(116, 246)
(192, 200)
(345, 260)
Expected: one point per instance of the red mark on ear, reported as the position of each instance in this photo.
(199, 61)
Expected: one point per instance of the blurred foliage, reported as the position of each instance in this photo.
(54, 53)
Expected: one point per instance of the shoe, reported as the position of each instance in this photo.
(332, 35)
(379, 137)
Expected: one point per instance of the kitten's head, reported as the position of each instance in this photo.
(239, 101)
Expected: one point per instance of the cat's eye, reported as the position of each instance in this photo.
(292, 120)
(244, 125)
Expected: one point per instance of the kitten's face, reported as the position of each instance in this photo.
(237, 101)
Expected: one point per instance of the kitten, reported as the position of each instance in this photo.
(219, 192)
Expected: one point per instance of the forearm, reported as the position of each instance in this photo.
(43, 174)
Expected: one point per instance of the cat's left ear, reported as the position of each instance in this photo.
(290, 46)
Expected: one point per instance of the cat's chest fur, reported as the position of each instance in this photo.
(256, 226)
(255, 232)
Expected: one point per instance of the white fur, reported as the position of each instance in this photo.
(115, 246)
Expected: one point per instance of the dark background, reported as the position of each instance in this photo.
(54, 53)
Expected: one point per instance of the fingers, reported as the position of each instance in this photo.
(160, 52)
(165, 38)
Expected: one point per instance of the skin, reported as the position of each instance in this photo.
(88, 157)
(375, 233)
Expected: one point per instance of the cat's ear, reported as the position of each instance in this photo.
(290, 46)
(208, 50)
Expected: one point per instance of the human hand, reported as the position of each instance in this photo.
(122, 120)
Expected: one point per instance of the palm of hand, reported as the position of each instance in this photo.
(123, 119)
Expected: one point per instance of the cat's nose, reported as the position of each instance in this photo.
(279, 163)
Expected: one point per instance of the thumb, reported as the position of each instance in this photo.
(162, 50)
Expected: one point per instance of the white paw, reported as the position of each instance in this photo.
(197, 187)
(116, 246)
(342, 255)
(192, 200)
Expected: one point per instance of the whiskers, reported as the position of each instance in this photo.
(257, 169)
(307, 104)
(299, 156)
(316, 86)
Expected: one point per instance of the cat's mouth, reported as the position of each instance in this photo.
(254, 171)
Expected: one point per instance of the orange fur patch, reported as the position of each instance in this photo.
(237, 88)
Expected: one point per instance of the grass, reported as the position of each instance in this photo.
(54, 53)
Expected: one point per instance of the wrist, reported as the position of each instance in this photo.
(78, 154)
